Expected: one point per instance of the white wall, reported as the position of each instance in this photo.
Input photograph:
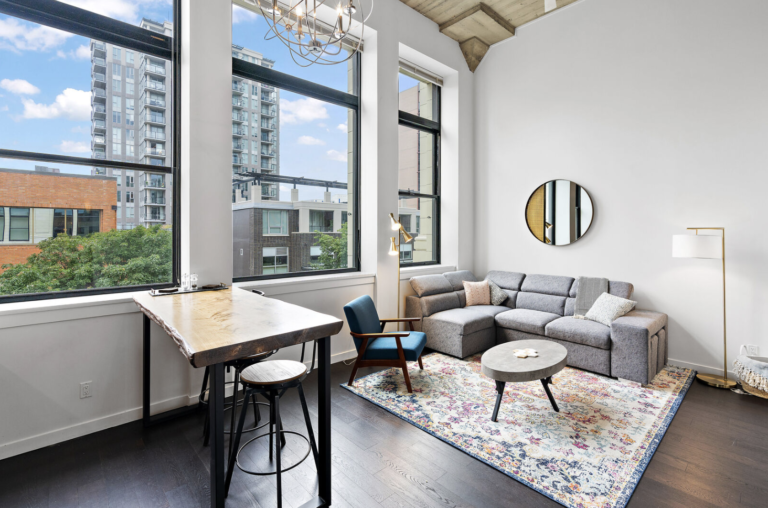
(48, 348)
(659, 109)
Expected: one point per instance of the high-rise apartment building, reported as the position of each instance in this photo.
(131, 121)
(255, 125)
(131, 115)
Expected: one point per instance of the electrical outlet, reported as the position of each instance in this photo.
(85, 389)
(752, 350)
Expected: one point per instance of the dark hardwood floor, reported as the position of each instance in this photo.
(714, 454)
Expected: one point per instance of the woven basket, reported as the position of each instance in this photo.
(754, 391)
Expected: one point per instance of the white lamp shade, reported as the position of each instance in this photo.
(697, 246)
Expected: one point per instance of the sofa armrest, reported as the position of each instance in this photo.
(413, 310)
(634, 345)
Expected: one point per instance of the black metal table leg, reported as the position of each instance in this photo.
(499, 394)
(216, 412)
(545, 383)
(324, 418)
(145, 371)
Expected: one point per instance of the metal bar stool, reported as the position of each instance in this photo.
(272, 379)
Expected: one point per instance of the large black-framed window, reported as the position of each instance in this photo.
(419, 169)
(308, 252)
(102, 31)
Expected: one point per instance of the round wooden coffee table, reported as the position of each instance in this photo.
(500, 364)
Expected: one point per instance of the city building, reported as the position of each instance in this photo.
(272, 237)
(255, 111)
(131, 122)
(51, 203)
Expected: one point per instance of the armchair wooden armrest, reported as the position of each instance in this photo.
(401, 320)
(377, 335)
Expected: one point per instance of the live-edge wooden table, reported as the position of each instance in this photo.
(213, 327)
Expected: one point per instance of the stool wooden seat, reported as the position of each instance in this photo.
(275, 372)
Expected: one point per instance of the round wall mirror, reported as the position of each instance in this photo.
(559, 212)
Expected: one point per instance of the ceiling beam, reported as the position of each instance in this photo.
(476, 29)
(473, 50)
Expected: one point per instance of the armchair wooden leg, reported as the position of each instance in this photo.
(354, 371)
(407, 377)
(360, 356)
(421, 365)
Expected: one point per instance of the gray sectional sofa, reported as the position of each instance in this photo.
(634, 347)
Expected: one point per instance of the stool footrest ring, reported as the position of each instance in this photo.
(258, 473)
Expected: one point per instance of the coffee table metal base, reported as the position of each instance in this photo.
(500, 393)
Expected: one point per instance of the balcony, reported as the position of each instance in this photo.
(154, 214)
(237, 160)
(269, 112)
(98, 111)
(99, 155)
(99, 139)
(153, 85)
(99, 95)
(99, 64)
(154, 183)
(97, 76)
(267, 88)
(268, 154)
(152, 102)
(268, 98)
(268, 126)
(239, 103)
(239, 118)
(239, 132)
(239, 147)
(150, 68)
(98, 49)
(99, 126)
(158, 152)
(150, 134)
(152, 118)
(268, 191)
(268, 139)
(154, 200)
(238, 88)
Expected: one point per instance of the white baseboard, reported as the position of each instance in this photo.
(56, 436)
(705, 369)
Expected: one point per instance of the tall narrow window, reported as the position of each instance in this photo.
(63, 222)
(419, 168)
(19, 227)
(2, 224)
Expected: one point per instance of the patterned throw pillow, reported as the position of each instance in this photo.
(498, 296)
(478, 293)
(607, 308)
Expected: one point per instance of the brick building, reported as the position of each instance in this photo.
(37, 205)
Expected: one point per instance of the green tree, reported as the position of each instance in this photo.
(333, 250)
(112, 258)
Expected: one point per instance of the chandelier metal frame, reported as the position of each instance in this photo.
(310, 40)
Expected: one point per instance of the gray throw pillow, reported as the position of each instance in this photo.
(498, 296)
(607, 308)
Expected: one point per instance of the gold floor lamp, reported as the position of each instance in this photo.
(395, 251)
(707, 247)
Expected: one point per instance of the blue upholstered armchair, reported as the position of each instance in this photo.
(376, 348)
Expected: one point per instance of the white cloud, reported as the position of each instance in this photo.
(81, 53)
(19, 86)
(342, 127)
(335, 155)
(240, 15)
(4, 108)
(72, 104)
(309, 140)
(80, 129)
(74, 147)
(27, 37)
(302, 110)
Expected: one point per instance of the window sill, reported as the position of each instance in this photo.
(276, 287)
(65, 309)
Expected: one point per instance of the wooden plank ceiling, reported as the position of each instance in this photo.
(477, 25)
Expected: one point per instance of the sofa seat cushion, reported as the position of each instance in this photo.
(580, 331)
(525, 320)
(459, 321)
(385, 348)
(490, 310)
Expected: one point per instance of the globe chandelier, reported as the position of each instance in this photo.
(309, 39)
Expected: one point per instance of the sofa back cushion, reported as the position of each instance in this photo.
(456, 279)
(547, 284)
(506, 280)
(437, 303)
(426, 285)
(615, 288)
(541, 302)
(511, 300)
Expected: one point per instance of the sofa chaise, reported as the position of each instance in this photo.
(634, 347)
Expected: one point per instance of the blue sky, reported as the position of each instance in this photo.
(45, 93)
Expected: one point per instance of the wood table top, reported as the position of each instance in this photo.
(217, 326)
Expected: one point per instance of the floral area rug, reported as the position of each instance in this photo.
(589, 455)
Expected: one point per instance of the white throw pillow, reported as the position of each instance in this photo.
(607, 308)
